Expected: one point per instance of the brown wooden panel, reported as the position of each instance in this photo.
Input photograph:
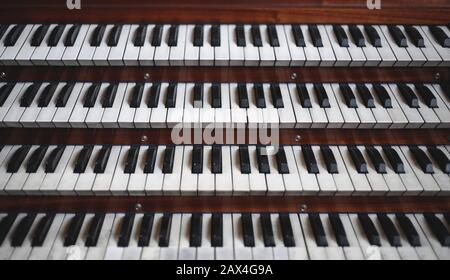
(227, 74)
(227, 204)
(163, 136)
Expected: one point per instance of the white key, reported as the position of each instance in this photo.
(162, 52)
(127, 113)
(14, 114)
(120, 179)
(206, 51)
(2, 42)
(441, 178)
(143, 113)
(315, 252)
(78, 250)
(351, 119)
(425, 251)
(110, 118)
(191, 52)
(98, 252)
(359, 180)
(270, 113)
(79, 113)
(6, 249)
(259, 251)
(133, 251)
(10, 101)
(401, 54)
(206, 112)
(237, 55)
(171, 252)
(381, 114)
(353, 251)
(131, 53)
(406, 251)
(9, 54)
(326, 52)
(344, 185)
(429, 116)
(96, 113)
(266, 52)
(177, 53)
(185, 251)
(241, 252)
(103, 180)
(146, 53)
(5, 155)
(206, 251)
(45, 115)
(373, 54)
(18, 179)
(431, 55)
(342, 55)
(137, 181)
(292, 183)
(23, 252)
(154, 183)
(376, 180)
(86, 53)
(23, 58)
(396, 114)
(312, 54)
(224, 182)
(258, 183)
(299, 252)
(417, 57)
(297, 53)
(226, 252)
(152, 251)
(29, 116)
(365, 115)
(223, 115)
(444, 53)
(442, 111)
(158, 117)
(302, 115)
(251, 53)
(282, 54)
(415, 120)
(62, 115)
(171, 183)
(113, 251)
(206, 178)
(409, 179)
(255, 115)
(318, 114)
(101, 53)
(58, 250)
(70, 55)
(443, 253)
(335, 118)
(393, 180)
(274, 180)
(34, 180)
(387, 251)
(334, 251)
(238, 115)
(309, 180)
(325, 179)
(55, 54)
(188, 184)
(280, 251)
(51, 181)
(222, 53)
(369, 251)
(191, 114)
(69, 177)
(115, 57)
(41, 252)
(356, 53)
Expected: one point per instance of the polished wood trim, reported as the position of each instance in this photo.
(226, 204)
(123, 136)
(228, 74)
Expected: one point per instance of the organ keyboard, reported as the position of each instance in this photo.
(233, 130)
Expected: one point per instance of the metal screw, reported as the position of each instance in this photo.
(297, 138)
(144, 138)
(2, 75)
(146, 76)
(293, 76)
(303, 207)
(437, 76)
(138, 207)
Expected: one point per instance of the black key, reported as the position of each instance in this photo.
(398, 36)
(198, 95)
(157, 35)
(440, 36)
(197, 159)
(282, 164)
(171, 97)
(318, 230)
(247, 230)
(394, 160)
(341, 36)
(357, 36)
(83, 159)
(164, 234)
(267, 230)
(259, 96)
(374, 37)
(438, 229)
(315, 36)
(408, 229)
(441, 159)
(53, 159)
(322, 96)
(383, 96)
(415, 36)
(173, 36)
(198, 36)
(139, 35)
(5, 91)
(136, 98)
(349, 97)
(114, 35)
(22, 230)
(17, 158)
(169, 155)
(72, 35)
(422, 159)
(217, 230)
(42, 230)
(240, 36)
(216, 96)
(408, 95)
(56, 34)
(125, 230)
(389, 229)
(91, 95)
(64, 95)
(110, 95)
(338, 229)
(244, 160)
(94, 230)
(102, 159)
(39, 35)
(358, 159)
(216, 159)
(5, 226)
(426, 95)
(273, 36)
(256, 36)
(151, 159)
(303, 95)
(263, 161)
(298, 36)
(97, 35)
(277, 100)
(146, 230)
(330, 160)
(155, 91)
(13, 35)
(195, 235)
(3, 28)
(310, 159)
(243, 96)
(365, 95)
(36, 158)
(215, 35)
(74, 229)
(377, 160)
(132, 157)
(286, 230)
(47, 95)
(29, 94)
(369, 229)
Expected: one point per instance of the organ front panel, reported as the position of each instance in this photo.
(224, 130)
